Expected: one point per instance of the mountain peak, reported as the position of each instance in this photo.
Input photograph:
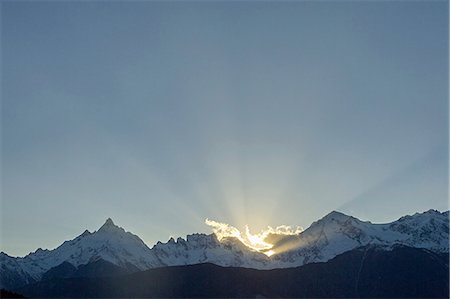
(108, 226)
(326, 238)
(85, 233)
(335, 215)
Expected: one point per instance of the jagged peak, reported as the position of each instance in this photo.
(109, 222)
(199, 236)
(435, 212)
(109, 226)
(192, 239)
(40, 251)
(4, 254)
(428, 213)
(85, 233)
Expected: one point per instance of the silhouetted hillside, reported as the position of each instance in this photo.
(98, 268)
(365, 272)
(7, 294)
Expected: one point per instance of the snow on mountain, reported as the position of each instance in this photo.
(332, 235)
(337, 233)
(428, 230)
(110, 243)
(201, 248)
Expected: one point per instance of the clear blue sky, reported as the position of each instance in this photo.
(160, 115)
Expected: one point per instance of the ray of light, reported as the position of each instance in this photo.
(258, 241)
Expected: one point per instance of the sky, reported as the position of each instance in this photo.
(162, 114)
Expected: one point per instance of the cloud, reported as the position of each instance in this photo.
(223, 230)
(259, 241)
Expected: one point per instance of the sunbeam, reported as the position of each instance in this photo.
(259, 241)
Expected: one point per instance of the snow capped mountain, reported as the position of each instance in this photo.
(337, 233)
(326, 238)
(201, 248)
(424, 230)
(110, 243)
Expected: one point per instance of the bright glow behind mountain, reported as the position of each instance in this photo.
(256, 241)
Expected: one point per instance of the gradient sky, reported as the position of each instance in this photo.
(160, 115)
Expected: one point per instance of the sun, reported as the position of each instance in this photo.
(269, 253)
(257, 242)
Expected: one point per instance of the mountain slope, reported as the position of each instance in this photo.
(326, 238)
(118, 247)
(110, 243)
(337, 233)
(201, 248)
(366, 272)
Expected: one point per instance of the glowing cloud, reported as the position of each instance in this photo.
(257, 241)
(223, 230)
(269, 252)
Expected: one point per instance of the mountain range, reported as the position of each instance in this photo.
(366, 272)
(111, 251)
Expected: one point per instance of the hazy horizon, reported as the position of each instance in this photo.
(162, 114)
